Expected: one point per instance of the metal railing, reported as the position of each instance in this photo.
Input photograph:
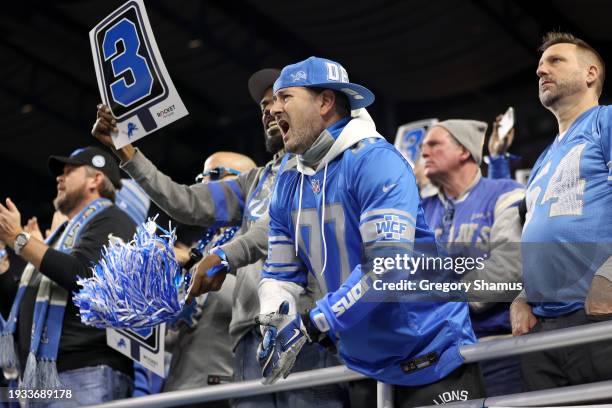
(303, 379)
(586, 393)
(472, 353)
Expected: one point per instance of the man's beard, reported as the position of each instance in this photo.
(303, 137)
(69, 201)
(561, 89)
(273, 143)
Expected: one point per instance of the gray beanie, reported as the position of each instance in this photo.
(470, 133)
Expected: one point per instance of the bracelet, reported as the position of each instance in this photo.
(224, 265)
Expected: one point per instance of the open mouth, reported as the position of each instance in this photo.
(272, 127)
(284, 127)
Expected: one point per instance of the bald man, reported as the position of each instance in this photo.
(225, 164)
(233, 160)
(218, 166)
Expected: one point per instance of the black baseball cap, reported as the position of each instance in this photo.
(260, 81)
(88, 156)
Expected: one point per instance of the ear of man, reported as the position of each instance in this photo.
(592, 75)
(95, 180)
(328, 102)
(466, 155)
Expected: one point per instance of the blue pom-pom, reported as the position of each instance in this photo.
(136, 284)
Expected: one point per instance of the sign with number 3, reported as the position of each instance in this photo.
(132, 77)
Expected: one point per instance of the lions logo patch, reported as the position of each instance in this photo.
(131, 129)
(300, 75)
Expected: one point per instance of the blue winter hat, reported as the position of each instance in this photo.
(324, 73)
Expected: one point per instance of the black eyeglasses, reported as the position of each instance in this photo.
(216, 173)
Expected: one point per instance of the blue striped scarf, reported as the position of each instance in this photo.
(8, 356)
(41, 370)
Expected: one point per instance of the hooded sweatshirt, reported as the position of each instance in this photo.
(365, 193)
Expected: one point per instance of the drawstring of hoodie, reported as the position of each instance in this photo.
(297, 223)
(323, 222)
(326, 147)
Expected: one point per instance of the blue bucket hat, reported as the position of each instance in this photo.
(324, 73)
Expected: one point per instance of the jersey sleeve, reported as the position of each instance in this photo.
(250, 247)
(388, 201)
(215, 204)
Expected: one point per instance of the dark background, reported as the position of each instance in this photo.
(422, 58)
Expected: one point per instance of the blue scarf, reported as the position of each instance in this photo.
(41, 370)
(8, 356)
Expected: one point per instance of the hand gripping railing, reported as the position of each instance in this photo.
(476, 352)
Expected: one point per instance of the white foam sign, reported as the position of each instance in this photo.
(132, 77)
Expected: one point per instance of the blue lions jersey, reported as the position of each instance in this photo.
(369, 204)
(567, 235)
(466, 232)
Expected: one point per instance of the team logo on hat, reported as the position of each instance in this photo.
(300, 75)
(98, 161)
(319, 72)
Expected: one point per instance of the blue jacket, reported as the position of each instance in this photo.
(366, 193)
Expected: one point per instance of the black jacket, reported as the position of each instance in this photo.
(80, 345)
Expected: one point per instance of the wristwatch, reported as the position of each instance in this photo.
(21, 240)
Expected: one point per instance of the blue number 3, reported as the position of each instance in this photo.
(129, 60)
